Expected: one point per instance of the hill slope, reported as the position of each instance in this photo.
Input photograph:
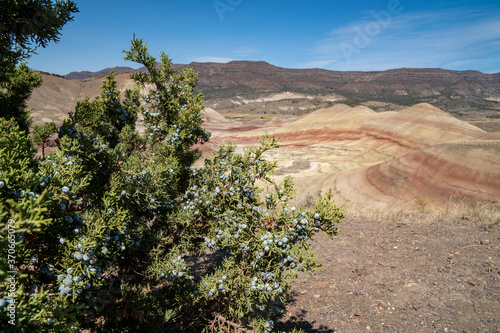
(467, 171)
(385, 158)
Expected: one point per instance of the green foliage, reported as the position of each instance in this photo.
(15, 90)
(23, 219)
(24, 26)
(116, 231)
(297, 330)
(106, 116)
(173, 109)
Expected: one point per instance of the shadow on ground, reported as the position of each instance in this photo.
(299, 321)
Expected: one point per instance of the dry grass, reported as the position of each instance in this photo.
(420, 211)
(486, 124)
(423, 212)
(247, 115)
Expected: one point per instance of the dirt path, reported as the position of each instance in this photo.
(379, 276)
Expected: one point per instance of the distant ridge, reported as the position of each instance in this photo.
(86, 74)
(260, 66)
(459, 92)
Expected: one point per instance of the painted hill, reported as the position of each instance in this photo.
(385, 158)
(412, 128)
(466, 171)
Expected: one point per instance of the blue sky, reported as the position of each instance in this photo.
(338, 35)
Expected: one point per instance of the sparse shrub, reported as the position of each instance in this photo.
(421, 204)
(42, 134)
(494, 223)
(117, 232)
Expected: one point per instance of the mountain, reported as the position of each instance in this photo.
(459, 92)
(86, 74)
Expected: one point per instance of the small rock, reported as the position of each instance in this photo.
(400, 307)
(359, 271)
(316, 296)
(358, 314)
(485, 242)
(432, 305)
(417, 306)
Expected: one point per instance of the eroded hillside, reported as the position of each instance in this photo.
(393, 156)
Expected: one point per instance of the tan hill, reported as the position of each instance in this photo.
(384, 158)
(388, 133)
(258, 87)
(57, 96)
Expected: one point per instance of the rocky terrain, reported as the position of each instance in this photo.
(419, 248)
(411, 275)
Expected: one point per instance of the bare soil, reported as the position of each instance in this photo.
(405, 276)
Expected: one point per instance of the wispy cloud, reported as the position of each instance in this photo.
(240, 53)
(245, 51)
(456, 39)
(212, 59)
